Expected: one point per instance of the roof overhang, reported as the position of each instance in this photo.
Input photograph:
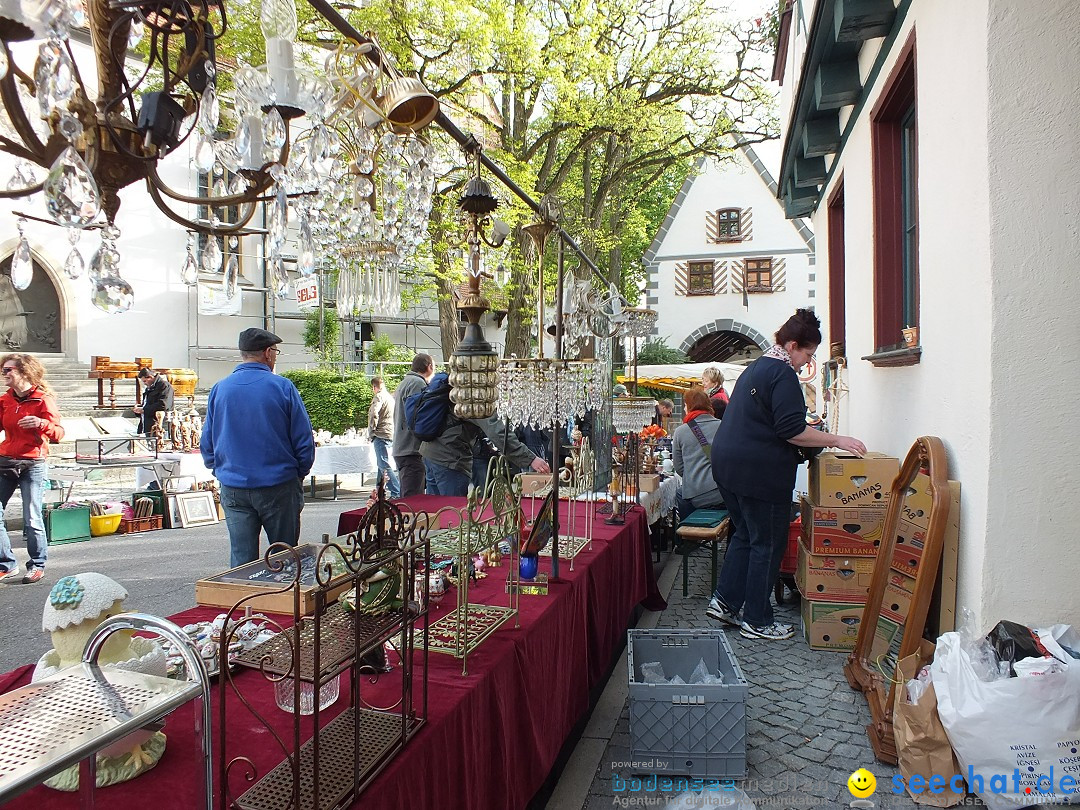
(828, 82)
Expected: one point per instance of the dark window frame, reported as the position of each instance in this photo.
(760, 271)
(837, 270)
(894, 146)
(725, 222)
(703, 270)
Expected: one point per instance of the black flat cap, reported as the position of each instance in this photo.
(255, 340)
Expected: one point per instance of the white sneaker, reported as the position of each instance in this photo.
(772, 632)
(719, 611)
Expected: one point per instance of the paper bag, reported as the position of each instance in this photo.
(922, 746)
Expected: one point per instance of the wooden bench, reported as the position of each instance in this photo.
(691, 537)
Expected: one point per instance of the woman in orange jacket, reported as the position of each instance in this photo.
(30, 421)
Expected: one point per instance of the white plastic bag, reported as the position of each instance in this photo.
(1014, 733)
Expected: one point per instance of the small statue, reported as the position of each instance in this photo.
(75, 607)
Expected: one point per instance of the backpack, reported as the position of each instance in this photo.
(426, 410)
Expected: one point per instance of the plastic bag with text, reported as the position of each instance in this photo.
(1015, 733)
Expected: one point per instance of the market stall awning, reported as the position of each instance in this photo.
(680, 376)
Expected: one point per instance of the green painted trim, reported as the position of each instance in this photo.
(871, 79)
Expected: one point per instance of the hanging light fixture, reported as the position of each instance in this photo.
(474, 364)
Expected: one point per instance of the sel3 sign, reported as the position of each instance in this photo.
(307, 292)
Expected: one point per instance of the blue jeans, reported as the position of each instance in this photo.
(382, 464)
(754, 554)
(275, 509)
(445, 481)
(31, 484)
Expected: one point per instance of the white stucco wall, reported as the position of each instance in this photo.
(732, 184)
(998, 179)
(1034, 174)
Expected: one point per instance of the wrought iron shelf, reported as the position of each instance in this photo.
(380, 737)
(337, 642)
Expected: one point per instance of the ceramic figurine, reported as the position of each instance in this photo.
(75, 607)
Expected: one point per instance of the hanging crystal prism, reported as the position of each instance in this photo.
(279, 277)
(71, 193)
(189, 273)
(74, 266)
(211, 255)
(305, 261)
(205, 155)
(279, 209)
(231, 277)
(136, 34)
(22, 263)
(110, 293)
(209, 111)
(274, 133)
(54, 76)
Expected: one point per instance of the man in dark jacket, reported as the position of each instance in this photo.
(157, 398)
(410, 464)
(449, 458)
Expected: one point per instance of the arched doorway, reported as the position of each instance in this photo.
(29, 319)
(724, 341)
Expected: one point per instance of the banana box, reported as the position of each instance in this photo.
(819, 576)
(834, 625)
(841, 479)
(853, 531)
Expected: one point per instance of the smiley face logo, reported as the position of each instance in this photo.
(862, 783)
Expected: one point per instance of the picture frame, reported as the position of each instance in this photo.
(196, 509)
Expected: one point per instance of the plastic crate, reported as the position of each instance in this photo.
(70, 525)
(697, 730)
(790, 561)
(135, 525)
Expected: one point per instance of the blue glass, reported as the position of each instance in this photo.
(528, 565)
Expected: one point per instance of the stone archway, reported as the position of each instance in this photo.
(721, 340)
(31, 320)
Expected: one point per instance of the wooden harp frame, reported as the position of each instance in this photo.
(927, 454)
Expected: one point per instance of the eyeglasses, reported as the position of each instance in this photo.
(275, 349)
(9, 369)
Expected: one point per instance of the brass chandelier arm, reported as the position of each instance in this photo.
(9, 94)
(21, 192)
(201, 227)
(264, 181)
(20, 151)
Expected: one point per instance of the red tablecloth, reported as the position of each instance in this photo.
(491, 737)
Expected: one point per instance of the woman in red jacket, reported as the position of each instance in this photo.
(30, 421)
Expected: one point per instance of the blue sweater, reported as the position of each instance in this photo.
(257, 432)
(751, 454)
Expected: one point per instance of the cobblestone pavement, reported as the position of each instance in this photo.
(805, 726)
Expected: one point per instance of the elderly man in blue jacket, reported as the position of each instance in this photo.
(257, 439)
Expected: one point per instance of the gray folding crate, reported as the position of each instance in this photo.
(697, 730)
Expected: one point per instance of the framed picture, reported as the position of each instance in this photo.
(196, 509)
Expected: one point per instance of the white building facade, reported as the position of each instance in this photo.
(933, 146)
(726, 268)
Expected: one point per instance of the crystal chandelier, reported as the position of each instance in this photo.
(631, 414)
(91, 148)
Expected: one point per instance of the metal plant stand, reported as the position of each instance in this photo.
(334, 766)
(66, 718)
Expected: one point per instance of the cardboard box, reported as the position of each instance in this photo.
(834, 625)
(648, 482)
(853, 531)
(532, 483)
(839, 479)
(911, 535)
(820, 576)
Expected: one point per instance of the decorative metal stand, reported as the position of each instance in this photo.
(331, 769)
(481, 525)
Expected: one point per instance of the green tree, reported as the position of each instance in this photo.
(323, 342)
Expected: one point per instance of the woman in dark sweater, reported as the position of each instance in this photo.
(754, 456)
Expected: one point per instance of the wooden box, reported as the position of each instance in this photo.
(648, 482)
(227, 588)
